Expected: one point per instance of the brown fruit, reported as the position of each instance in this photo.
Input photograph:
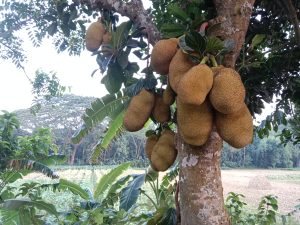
(179, 65)
(195, 122)
(150, 142)
(162, 54)
(164, 152)
(161, 111)
(195, 85)
(168, 95)
(228, 92)
(139, 110)
(107, 38)
(216, 69)
(236, 128)
(94, 36)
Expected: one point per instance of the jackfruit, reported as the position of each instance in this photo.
(94, 36)
(236, 128)
(162, 54)
(164, 152)
(194, 122)
(168, 95)
(179, 65)
(150, 142)
(228, 92)
(139, 110)
(195, 85)
(161, 111)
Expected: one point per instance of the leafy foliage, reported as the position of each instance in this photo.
(266, 212)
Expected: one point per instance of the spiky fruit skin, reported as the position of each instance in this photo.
(195, 85)
(150, 142)
(228, 92)
(194, 122)
(139, 110)
(236, 128)
(162, 54)
(179, 65)
(161, 111)
(94, 36)
(164, 152)
(168, 95)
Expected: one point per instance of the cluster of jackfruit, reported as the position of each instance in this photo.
(96, 35)
(205, 96)
(161, 150)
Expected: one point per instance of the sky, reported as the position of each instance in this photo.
(73, 71)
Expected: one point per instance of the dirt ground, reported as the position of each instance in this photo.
(284, 184)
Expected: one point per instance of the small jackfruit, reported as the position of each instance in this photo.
(195, 85)
(161, 111)
(179, 65)
(94, 36)
(228, 92)
(236, 128)
(139, 110)
(164, 152)
(194, 122)
(150, 142)
(162, 54)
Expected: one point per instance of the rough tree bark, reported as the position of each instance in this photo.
(200, 185)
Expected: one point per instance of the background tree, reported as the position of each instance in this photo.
(266, 54)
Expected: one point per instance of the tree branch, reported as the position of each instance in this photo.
(237, 15)
(134, 10)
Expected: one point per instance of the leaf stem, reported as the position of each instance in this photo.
(213, 61)
(204, 60)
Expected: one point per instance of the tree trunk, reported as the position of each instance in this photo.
(200, 184)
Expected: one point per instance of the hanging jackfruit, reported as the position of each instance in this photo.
(236, 128)
(94, 36)
(161, 111)
(179, 65)
(164, 152)
(228, 92)
(194, 122)
(162, 54)
(139, 110)
(150, 142)
(195, 85)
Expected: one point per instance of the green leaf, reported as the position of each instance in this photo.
(257, 39)
(114, 78)
(130, 194)
(176, 11)
(115, 127)
(74, 188)
(16, 204)
(195, 41)
(214, 44)
(122, 59)
(108, 179)
(99, 109)
(30, 165)
(24, 216)
(169, 217)
(172, 30)
(120, 36)
(9, 217)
